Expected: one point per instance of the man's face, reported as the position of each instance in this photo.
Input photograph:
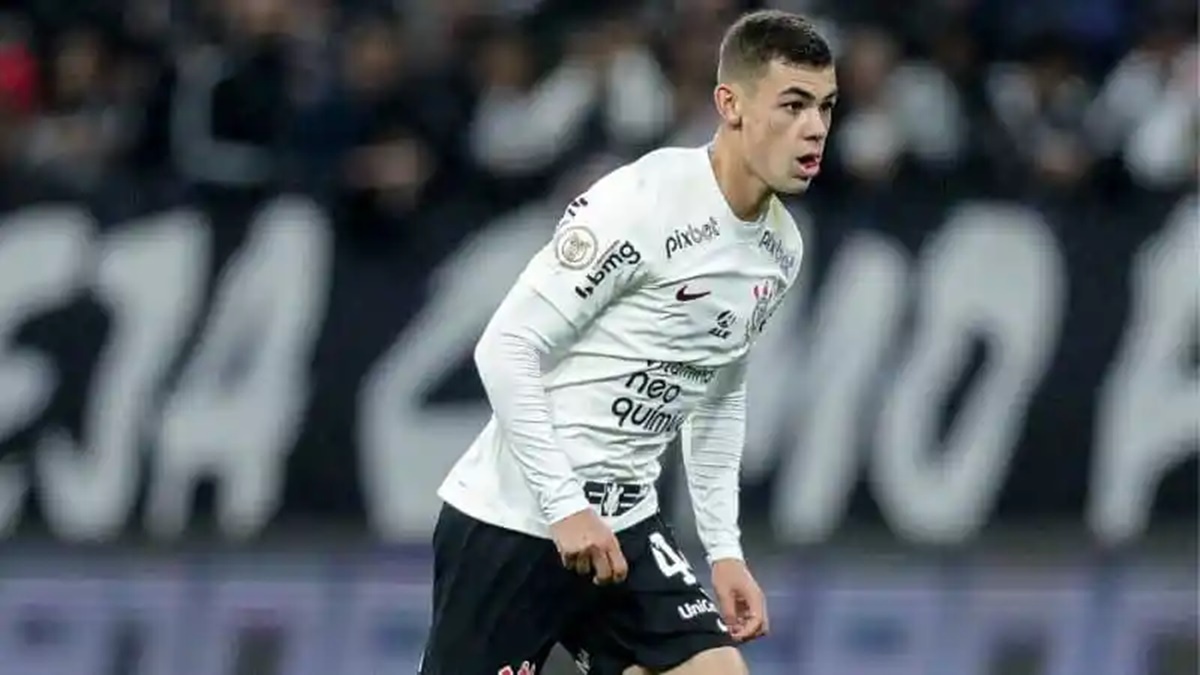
(786, 116)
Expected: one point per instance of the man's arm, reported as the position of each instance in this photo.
(524, 331)
(712, 454)
(595, 257)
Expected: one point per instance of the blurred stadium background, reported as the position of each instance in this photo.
(246, 247)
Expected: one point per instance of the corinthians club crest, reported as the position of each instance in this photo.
(767, 294)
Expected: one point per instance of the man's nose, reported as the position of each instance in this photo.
(814, 127)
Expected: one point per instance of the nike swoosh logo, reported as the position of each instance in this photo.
(683, 296)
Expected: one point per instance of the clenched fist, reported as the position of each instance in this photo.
(588, 546)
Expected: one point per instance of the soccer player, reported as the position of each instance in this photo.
(631, 326)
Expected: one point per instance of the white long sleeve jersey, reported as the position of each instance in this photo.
(632, 325)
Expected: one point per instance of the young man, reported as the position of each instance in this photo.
(632, 325)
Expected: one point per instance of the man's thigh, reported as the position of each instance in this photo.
(660, 618)
(500, 599)
(717, 661)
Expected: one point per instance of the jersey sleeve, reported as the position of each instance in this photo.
(713, 439)
(597, 253)
(522, 332)
(601, 250)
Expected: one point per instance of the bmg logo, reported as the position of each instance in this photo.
(618, 255)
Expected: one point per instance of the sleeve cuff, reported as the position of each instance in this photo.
(569, 501)
(725, 552)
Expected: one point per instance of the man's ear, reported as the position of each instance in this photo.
(728, 100)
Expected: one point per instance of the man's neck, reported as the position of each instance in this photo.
(745, 193)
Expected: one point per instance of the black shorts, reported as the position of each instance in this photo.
(502, 599)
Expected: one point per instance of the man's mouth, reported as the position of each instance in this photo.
(810, 164)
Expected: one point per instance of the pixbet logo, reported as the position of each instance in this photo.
(619, 254)
(691, 236)
(774, 246)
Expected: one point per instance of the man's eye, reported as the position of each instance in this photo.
(794, 107)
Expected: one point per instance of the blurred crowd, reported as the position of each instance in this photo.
(426, 116)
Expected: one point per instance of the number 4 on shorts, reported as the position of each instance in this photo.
(670, 562)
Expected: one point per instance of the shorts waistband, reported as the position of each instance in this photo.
(615, 499)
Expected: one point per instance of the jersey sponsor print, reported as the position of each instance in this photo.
(648, 391)
(616, 256)
(774, 245)
(691, 235)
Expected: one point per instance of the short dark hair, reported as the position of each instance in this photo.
(758, 38)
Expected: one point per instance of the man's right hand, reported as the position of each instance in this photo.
(588, 546)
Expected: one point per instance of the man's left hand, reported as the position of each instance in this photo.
(743, 605)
